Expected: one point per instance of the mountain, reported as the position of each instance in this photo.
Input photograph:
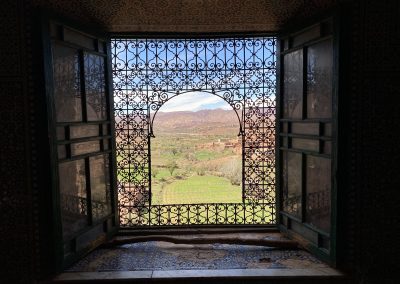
(214, 121)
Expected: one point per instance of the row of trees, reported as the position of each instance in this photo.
(171, 166)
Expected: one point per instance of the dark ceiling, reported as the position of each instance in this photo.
(187, 15)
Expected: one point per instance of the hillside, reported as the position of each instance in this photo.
(216, 121)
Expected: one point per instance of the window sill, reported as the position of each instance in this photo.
(185, 275)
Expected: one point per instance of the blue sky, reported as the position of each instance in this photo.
(133, 60)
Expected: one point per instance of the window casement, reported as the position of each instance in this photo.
(100, 95)
(307, 152)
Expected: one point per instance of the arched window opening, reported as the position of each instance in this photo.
(196, 153)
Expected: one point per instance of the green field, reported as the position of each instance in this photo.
(197, 189)
(198, 165)
(187, 169)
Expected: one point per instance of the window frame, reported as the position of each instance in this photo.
(184, 36)
(46, 196)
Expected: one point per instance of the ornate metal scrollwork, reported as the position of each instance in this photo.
(149, 72)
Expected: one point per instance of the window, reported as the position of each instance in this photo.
(149, 72)
(196, 153)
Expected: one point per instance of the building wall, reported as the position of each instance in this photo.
(369, 204)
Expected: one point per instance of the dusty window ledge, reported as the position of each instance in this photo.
(201, 274)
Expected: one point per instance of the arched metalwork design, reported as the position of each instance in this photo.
(149, 72)
(225, 95)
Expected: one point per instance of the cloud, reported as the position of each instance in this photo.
(194, 101)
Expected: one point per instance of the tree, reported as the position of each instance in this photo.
(172, 166)
(201, 171)
(174, 151)
(232, 170)
(191, 157)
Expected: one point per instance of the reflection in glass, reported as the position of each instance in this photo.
(318, 198)
(100, 186)
(319, 80)
(291, 174)
(305, 128)
(67, 95)
(85, 147)
(293, 84)
(95, 87)
(82, 131)
(72, 178)
(305, 144)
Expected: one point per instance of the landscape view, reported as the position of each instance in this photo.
(196, 152)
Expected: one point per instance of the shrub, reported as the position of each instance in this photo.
(154, 172)
(200, 171)
(232, 170)
(172, 166)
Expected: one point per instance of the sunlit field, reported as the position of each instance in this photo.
(196, 166)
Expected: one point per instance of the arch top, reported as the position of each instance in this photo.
(229, 97)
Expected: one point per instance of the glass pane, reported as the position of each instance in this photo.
(85, 147)
(305, 128)
(291, 175)
(305, 144)
(293, 85)
(84, 131)
(318, 200)
(95, 87)
(100, 186)
(319, 80)
(67, 93)
(72, 177)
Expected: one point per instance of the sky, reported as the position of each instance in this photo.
(132, 54)
(194, 101)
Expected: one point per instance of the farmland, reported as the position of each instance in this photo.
(196, 158)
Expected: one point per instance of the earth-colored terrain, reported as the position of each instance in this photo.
(196, 157)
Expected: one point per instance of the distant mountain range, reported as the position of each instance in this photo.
(215, 121)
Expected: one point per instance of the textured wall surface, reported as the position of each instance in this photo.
(375, 154)
(371, 196)
(16, 230)
(187, 15)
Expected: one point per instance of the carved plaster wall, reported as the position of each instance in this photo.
(187, 15)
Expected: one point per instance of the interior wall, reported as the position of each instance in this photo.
(370, 194)
(17, 228)
(188, 16)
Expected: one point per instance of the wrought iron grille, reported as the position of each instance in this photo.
(149, 72)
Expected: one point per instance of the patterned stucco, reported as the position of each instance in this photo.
(187, 15)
